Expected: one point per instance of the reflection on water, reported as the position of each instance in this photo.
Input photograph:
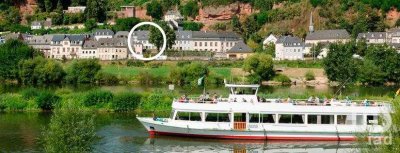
(121, 132)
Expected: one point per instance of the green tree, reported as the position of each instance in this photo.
(236, 25)
(250, 27)
(189, 74)
(96, 9)
(70, 131)
(192, 26)
(125, 24)
(154, 9)
(156, 37)
(190, 9)
(168, 4)
(40, 71)
(48, 5)
(11, 53)
(90, 24)
(263, 5)
(371, 74)
(387, 59)
(83, 71)
(260, 66)
(339, 64)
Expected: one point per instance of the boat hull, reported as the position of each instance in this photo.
(160, 128)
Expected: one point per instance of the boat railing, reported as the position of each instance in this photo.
(201, 100)
(306, 102)
(297, 102)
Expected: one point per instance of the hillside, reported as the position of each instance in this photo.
(256, 16)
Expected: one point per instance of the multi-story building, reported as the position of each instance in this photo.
(289, 48)
(89, 50)
(183, 40)
(66, 46)
(42, 43)
(373, 37)
(112, 48)
(103, 33)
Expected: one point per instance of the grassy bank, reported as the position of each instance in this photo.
(32, 99)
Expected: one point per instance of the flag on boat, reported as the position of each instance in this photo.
(398, 92)
(200, 81)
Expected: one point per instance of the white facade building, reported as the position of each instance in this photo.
(103, 33)
(270, 39)
(289, 48)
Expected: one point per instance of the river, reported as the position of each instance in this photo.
(121, 132)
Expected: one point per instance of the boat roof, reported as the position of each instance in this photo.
(242, 85)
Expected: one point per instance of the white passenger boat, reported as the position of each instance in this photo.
(243, 115)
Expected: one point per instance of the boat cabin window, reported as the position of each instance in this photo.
(344, 120)
(243, 91)
(291, 118)
(217, 117)
(360, 119)
(268, 118)
(321, 119)
(254, 118)
(373, 120)
(188, 116)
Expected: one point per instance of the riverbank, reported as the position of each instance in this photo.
(157, 98)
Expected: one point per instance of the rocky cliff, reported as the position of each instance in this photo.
(210, 15)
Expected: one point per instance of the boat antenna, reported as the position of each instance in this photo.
(341, 87)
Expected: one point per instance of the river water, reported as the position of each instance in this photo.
(121, 132)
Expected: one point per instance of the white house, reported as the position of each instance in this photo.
(289, 48)
(103, 33)
(270, 39)
(35, 25)
(373, 37)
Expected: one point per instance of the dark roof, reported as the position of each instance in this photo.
(290, 41)
(112, 42)
(122, 34)
(90, 44)
(328, 34)
(106, 32)
(40, 40)
(76, 37)
(142, 35)
(240, 47)
(215, 35)
(58, 38)
(372, 35)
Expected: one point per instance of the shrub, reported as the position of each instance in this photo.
(96, 97)
(183, 63)
(106, 78)
(156, 101)
(147, 78)
(12, 102)
(309, 76)
(154, 64)
(282, 79)
(134, 63)
(47, 100)
(82, 71)
(126, 101)
(70, 131)
(29, 93)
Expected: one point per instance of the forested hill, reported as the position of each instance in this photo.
(254, 16)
